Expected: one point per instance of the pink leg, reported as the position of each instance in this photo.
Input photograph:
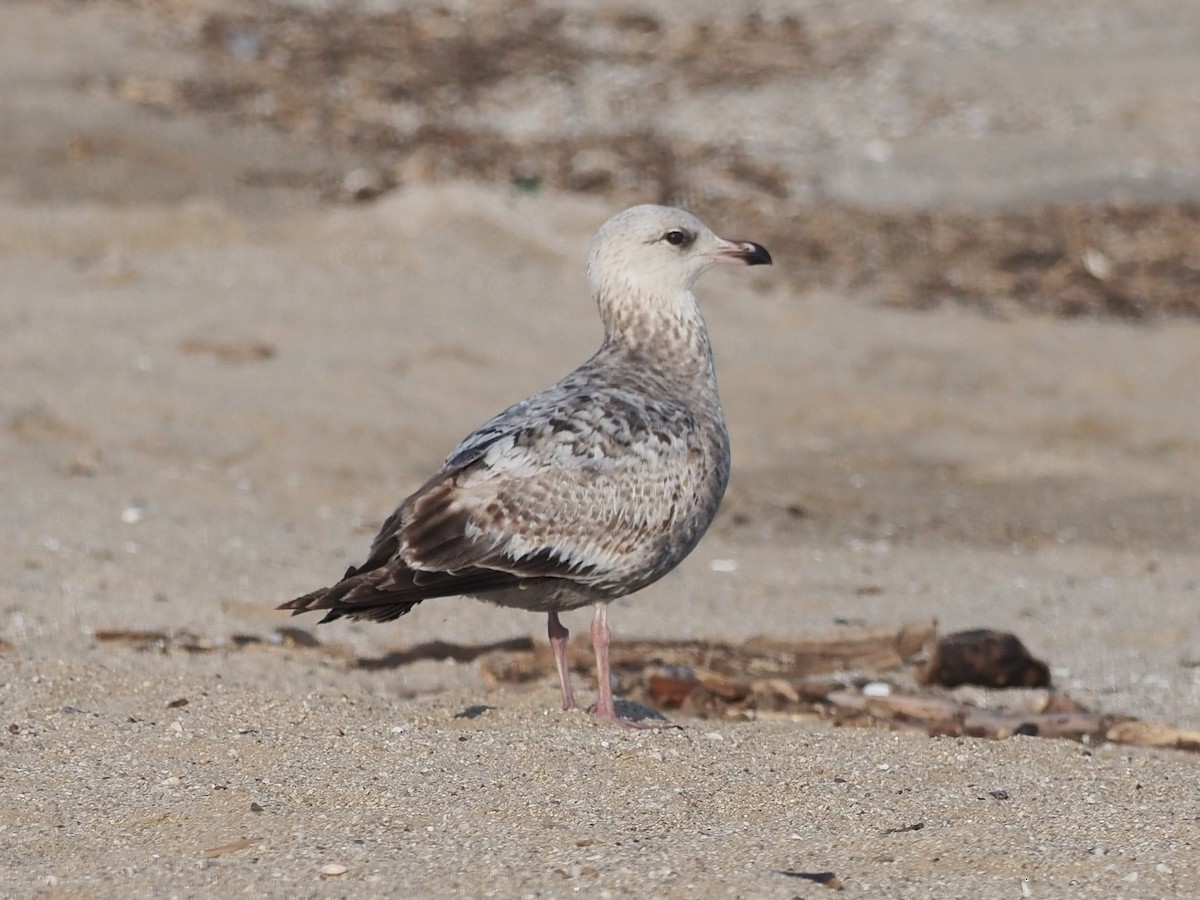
(558, 642)
(605, 709)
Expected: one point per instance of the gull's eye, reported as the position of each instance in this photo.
(678, 238)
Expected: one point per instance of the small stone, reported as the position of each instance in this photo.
(362, 184)
(1097, 264)
(333, 870)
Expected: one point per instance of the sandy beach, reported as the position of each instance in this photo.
(216, 385)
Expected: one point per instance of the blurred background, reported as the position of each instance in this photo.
(1000, 155)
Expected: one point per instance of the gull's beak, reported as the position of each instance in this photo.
(747, 252)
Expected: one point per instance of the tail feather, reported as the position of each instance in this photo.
(332, 601)
(388, 593)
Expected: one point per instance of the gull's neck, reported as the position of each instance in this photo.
(664, 330)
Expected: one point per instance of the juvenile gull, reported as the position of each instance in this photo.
(591, 489)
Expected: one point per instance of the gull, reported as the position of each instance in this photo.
(586, 491)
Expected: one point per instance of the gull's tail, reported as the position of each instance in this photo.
(384, 594)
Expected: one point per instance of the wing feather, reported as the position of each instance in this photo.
(580, 483)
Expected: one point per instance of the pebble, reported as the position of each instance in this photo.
(332, 870)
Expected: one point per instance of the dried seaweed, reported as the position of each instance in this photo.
(855, 676)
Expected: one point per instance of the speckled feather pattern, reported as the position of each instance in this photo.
(590, 489)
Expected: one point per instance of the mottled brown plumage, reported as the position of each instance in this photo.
(588, 490)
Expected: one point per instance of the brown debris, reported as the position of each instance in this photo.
(826, 879)
(984, 657)
(768, 678)
(1040, 260)
(140, 640)
(233, 847)
(290, 636)
(234, 351)
(904, 829)
(332, 75)
(761, 678)
(170, 641)
(1153, 734)
(762, 672)
(872, 649)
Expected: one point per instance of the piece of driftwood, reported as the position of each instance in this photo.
(873, 649)
(847, 649)
(1153, 734)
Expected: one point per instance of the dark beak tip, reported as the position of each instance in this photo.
(757, 255)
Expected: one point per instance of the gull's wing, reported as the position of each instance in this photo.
(580, 484)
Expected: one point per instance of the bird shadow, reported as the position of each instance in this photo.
(439, 650)
(474, 711)
(643, 716)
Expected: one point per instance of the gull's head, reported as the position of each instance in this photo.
(659, 252)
